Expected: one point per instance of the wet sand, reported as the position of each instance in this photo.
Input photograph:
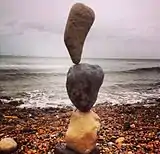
(38, 131)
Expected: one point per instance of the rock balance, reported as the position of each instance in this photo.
(83, 84)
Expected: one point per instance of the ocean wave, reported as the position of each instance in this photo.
(32, 72)
(136, 70)
(140, 85)
(143, 70)
(30, 67)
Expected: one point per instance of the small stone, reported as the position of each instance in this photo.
(81, 135)
(132, 126)
(83, 83)
(129, 152)
(41, 131)
(1, 135)
(15, 103)
(1, 116)
(120, 140)
(80, 20)
(138, 146)
(5, 97)
(63, 149)
(124, 145)
(11, 117)
(110, 144)
(158, 134)
(126, 126)
(119, 143)
(158, 99)
(30, 116)
(110, 118)
(113, 138)
(28, 130)
(7, 145)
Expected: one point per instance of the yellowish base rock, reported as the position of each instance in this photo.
(81, 135)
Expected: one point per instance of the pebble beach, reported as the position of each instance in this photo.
(125, 129)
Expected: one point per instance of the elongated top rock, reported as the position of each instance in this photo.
(80, 20)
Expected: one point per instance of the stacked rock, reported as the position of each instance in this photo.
(83, 84)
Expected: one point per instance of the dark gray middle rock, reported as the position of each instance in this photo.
(83, 83)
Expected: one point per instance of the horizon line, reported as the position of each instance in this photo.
(107, 58)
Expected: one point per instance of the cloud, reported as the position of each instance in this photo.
(18, 28)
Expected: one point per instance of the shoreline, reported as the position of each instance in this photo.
(39, 130)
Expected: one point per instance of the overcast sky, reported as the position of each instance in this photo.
(123, 28)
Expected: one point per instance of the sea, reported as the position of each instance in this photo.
(40, 82)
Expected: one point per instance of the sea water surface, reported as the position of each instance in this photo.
(40, 82)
